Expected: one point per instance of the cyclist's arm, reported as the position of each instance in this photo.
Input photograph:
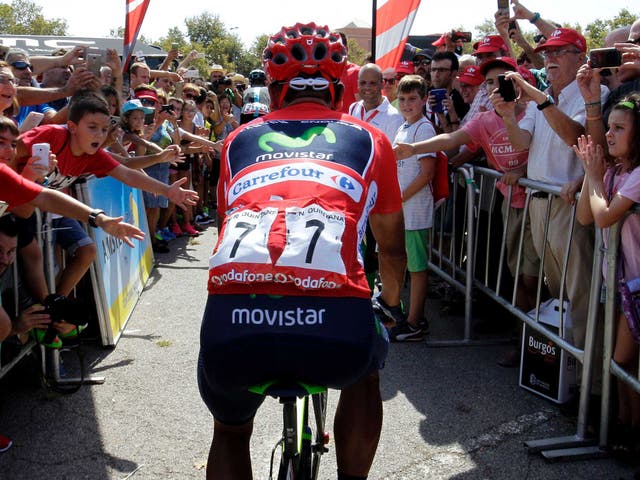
(388, 230)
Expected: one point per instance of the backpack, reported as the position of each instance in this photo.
(440, 182)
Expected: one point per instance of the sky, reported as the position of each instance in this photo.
(250, 18)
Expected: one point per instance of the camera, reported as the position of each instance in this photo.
(61, 308)
(605, 58)
(167, 108)
(506, 89)
(226, 81)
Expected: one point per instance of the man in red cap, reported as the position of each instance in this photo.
(469, 82)
(552, 123)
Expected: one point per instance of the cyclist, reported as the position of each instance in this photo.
(288, 297)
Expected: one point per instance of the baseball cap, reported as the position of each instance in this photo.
(490, 44)
(135, 104)
(508, 62)
(405, 67)
(562, 37)
(527, 75)
(426, 54)
(147, 94)
(440, 41)
(471, 76)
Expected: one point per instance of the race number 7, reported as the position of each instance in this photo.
(248, 228)
(314, 238)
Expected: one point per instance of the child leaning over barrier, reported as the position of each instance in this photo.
(607, 195)
(414, 175)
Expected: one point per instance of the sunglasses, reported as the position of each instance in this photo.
(21, 65)
(635, 42)
(190, 96)
(389, 81)
(316, 83)
(421, 62)
(6, 80)
(148, 102)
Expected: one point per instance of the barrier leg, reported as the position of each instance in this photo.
(578, 445)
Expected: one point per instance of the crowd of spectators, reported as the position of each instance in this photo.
(161, 130)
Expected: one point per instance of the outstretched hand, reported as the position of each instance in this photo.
(181, 197)
(119, 229)
(403, 150)
(592, 157)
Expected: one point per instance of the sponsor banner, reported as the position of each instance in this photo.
(119, 272)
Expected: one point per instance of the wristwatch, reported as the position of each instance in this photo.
(547, 103)
(93, 216)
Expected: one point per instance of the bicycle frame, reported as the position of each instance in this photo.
(300, 458)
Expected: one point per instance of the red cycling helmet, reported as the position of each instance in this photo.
(304, 50)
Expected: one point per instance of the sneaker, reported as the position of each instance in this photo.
(394, 313)
(167, 236)
(177, 231)
(188, 228)
(158, 236)
(423, 324)
(203, 218)
(405, 332)
(5, 443)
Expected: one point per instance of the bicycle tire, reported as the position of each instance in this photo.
(319, 401)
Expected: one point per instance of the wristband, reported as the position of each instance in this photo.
(535, 18)
(93, 216)
(593, 104)
(596, 117)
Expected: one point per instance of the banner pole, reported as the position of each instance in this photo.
(373, 30)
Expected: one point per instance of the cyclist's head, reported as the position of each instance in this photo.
(257, 76)
(305, 60)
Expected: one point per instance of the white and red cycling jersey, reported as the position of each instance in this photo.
(296, 188)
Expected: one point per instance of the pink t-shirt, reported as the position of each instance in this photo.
(488, 131)
(626, 184)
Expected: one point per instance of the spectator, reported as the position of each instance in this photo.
(389, 89)
(139, 74)
(444, 67)
(470, 81)
(373, 107)
(422, 65)
(553, 121)
(414, 175)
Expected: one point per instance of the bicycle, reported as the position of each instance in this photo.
(301, 453)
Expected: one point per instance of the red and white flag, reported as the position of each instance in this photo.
(136, 10)
(394, 19)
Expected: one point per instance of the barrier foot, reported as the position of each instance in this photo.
(579, 453)
(51, 370)
(559, 443)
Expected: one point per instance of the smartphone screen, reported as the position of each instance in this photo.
(506, 89)
(94, 62)
(149, 118)
(605, 58)
(503, 6)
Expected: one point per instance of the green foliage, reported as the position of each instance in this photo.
(357, 54)
(596, 31)
(23, 17)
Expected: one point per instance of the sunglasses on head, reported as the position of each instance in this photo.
(316, 83)
(389, 81)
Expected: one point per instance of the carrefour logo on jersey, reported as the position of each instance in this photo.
(303, 171)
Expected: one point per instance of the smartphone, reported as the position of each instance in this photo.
(438, 94)
(179, 86)
(506, 89)
(200, 55)
(115, 120)
(149, 118)
(94, 62)
(503, 7)
(167, 108)
(605, 58)
(191, 74)
(512, 25)
(174, 46)
(41, 152)
(32, 120)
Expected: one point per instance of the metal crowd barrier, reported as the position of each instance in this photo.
(570, 446)
(27, 347)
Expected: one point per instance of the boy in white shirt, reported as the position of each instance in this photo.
(414, 175)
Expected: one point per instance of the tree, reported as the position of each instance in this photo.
(596, 31)
(23, 17)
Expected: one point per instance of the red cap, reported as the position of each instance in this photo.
(527, 75)
(148, 94)
(508, 62)
(405, 67)
(441, 41)
(471, 76)
(561, 37)
(490, 44)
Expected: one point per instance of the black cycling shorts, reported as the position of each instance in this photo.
(249, 339)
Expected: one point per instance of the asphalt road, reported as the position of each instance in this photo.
(450, 413)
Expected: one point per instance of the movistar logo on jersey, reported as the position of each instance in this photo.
(301, 171)
(304, 140)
